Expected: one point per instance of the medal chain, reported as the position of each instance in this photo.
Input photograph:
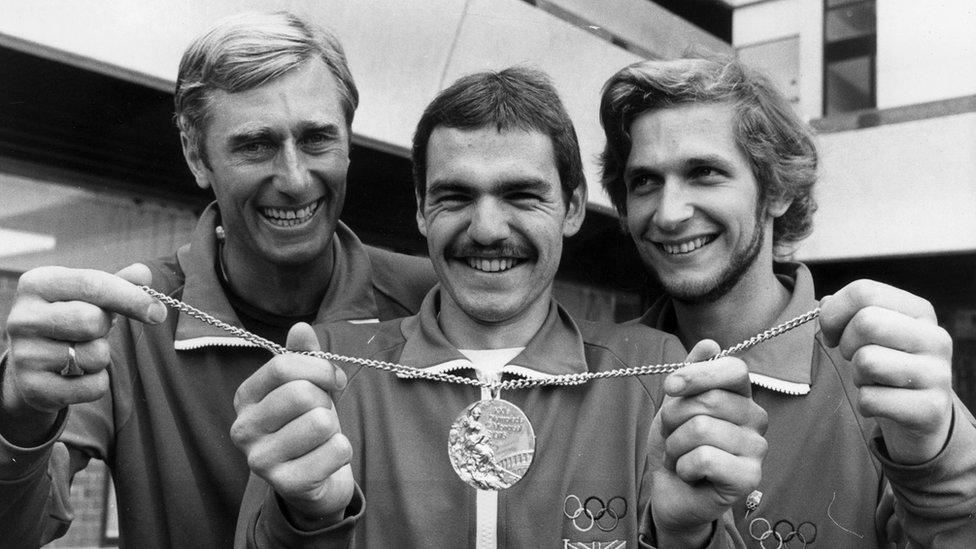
(524, 383)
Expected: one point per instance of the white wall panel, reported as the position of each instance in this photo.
(896, 189)
(926, 51)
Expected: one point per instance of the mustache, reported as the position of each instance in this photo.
(508, 249)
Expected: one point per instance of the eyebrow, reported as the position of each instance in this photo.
(247, 135)
(718, 161)
(501, 187)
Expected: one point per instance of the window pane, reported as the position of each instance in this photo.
(849, 85)
(780, 60)
(835, 3)
(850, 22)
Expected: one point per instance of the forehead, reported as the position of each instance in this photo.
(486, 156)
(681, 132)
(308, 93)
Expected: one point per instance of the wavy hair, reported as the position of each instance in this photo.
(248, 50)
(779, 147)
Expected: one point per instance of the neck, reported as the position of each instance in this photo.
(288, 290)
(465, 332)
(750, 307)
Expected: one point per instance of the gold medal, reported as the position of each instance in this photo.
(491, 444)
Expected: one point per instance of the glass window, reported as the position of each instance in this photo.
(780, 60)
(849, 85)
(850, 51)
(850, 22)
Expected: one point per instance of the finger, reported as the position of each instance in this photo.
(295, 439)
(306, 474)
(837, 310)
(881, 366)
(717, 403)
(888, 328)
(728, 373)
(909, 408)
(707, 431)
(98, 288)
(283, 405)
(301, 337)
(285, 368)
(703, 350)
(732, 476)
(51, 393)
(52, 356)
(32, 317)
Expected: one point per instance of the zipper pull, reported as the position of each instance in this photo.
(752, 501)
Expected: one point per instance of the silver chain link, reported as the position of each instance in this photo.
(411, 372)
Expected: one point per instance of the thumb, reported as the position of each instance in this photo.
(137, 273)
(703, 350)
(301, 337)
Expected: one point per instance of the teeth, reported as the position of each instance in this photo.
(685, 247)
(491, 265)
(288, 218)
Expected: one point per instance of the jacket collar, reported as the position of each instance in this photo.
(556, 349)
(783, 363)
(348, 297)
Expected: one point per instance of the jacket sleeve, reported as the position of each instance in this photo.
(262, 523)
(932, 504)
(35, 483)
(724, 534)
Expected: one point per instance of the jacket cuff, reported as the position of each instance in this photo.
(273, 529)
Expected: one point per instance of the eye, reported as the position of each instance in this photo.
(524, 198)
(705, 172)
(642, 184)
(256, 148)
(450, 201)
(318, 141)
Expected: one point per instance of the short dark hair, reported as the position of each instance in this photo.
(779, 146)
(248, 50)
(514, 98)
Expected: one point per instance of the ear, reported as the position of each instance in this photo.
(421, 222)
(778, 206)
(195, 162)
(575, 212)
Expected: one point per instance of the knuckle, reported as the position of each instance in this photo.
(31, 281)
(259, 462)
(343, 448)
(867, 360)
(863, 290)
(239, 432)
(101, 352)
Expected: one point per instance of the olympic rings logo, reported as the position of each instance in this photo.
(781, 533)
(605, 516)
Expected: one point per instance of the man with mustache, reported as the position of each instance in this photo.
(380, 456)
(712, 174)
(264, 102)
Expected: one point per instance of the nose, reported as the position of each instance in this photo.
(489, 222)
(292, 175)
(674, 206)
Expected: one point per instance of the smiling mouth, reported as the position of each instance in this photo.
(492, 265)
(684, 247)
(289, 217)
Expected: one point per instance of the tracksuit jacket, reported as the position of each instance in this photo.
(591, 442)
(827, 479)
(163, 429)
